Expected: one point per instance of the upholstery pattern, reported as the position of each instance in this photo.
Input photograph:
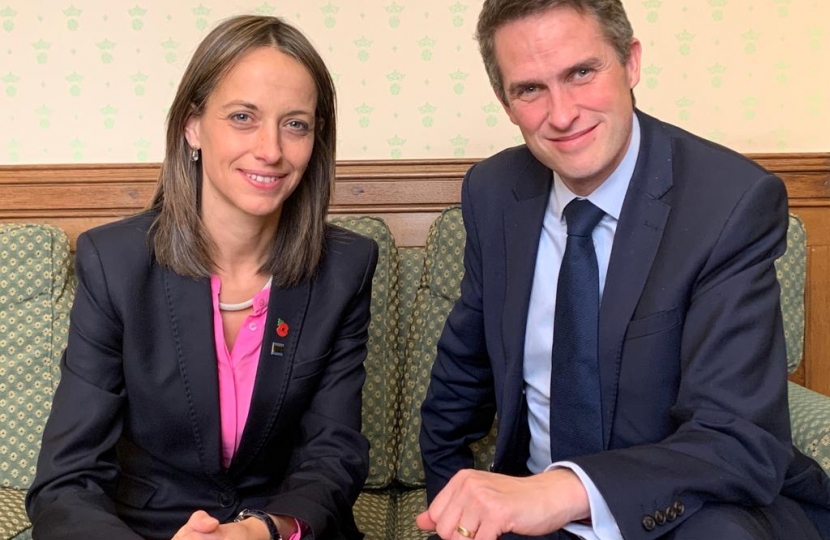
(34, 307)
(440, 287)
(427, 324)
(410, 504)
(374, 513)
(791, 269)
(13, 519)
(810, 419)
(410, 270)
(381, 390)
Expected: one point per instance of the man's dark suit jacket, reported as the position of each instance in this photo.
(691, 346)
(132, 446)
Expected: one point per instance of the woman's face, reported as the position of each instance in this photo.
(256, 134)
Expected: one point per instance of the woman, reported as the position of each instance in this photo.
(214, 364)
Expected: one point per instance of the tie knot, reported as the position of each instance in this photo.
(582, 216)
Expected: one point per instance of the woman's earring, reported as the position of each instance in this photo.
(194, 154)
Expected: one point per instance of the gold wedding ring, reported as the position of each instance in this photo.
(466, 533)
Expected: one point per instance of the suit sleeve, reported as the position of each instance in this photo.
(732, 441)
(460, 403)
(330, 461)
(73, 491)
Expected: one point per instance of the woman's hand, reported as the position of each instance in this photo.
(202, 526)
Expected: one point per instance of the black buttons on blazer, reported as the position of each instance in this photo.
(226, 500)
(660, 517)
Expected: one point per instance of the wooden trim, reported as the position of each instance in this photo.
(409, 194)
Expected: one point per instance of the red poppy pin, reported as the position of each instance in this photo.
(282, 328)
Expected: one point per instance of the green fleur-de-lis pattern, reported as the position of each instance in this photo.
(410, 80)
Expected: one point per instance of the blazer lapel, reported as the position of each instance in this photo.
(191, 318)
(523, 219)
(639, 232)
(276, 360)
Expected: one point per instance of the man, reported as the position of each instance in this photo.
(619, 313)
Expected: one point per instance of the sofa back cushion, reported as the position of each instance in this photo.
(791, 268)
(382, 388)
(439, 288)
(35, 297)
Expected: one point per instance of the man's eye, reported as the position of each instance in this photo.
(582, 73)
(240, 117)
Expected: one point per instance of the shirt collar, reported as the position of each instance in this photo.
(609, 196)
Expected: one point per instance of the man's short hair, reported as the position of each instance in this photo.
(496, 13)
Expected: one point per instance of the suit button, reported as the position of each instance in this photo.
(660, 517)
(671, 513)
(679, 508)
(226, 500)
(649, 523)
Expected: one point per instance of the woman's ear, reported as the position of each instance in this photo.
(192, 131)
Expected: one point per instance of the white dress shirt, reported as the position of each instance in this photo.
(609, 197)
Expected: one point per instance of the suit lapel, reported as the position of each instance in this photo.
(276, 360)
(523, 218)
(639, 232)
(191, 317)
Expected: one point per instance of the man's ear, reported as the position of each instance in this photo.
(632, 66)
(192, 131)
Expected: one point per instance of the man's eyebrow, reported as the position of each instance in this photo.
(588, 63)
(521, 85)
(592, 62)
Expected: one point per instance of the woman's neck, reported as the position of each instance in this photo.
(241, 248)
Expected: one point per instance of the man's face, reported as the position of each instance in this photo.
(568, 93)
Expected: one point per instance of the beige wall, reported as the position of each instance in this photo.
(89, 80)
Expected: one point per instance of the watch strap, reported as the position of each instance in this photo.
(264, 517)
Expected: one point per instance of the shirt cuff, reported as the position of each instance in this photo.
(603, 526)
(301, 527)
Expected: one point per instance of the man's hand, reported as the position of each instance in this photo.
(201, 526)
(489, 505)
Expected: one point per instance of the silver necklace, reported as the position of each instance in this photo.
(242, 305)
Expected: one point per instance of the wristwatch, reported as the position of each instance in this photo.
(273, 533)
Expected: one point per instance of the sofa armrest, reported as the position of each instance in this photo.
(810, 418)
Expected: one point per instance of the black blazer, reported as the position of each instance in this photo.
(132, 445)
(691, 345)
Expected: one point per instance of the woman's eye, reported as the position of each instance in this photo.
(297, 125)
(241, 117)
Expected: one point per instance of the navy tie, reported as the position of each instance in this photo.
(575, 405)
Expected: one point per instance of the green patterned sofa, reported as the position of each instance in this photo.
(414, 289)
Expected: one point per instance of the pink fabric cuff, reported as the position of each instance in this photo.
(300, 528)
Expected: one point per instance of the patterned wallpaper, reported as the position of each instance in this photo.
(90, 80)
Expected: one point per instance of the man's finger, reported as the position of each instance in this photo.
(424, 522)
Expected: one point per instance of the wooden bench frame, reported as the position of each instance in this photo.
(409, 194)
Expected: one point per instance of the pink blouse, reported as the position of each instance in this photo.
(237, 372)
